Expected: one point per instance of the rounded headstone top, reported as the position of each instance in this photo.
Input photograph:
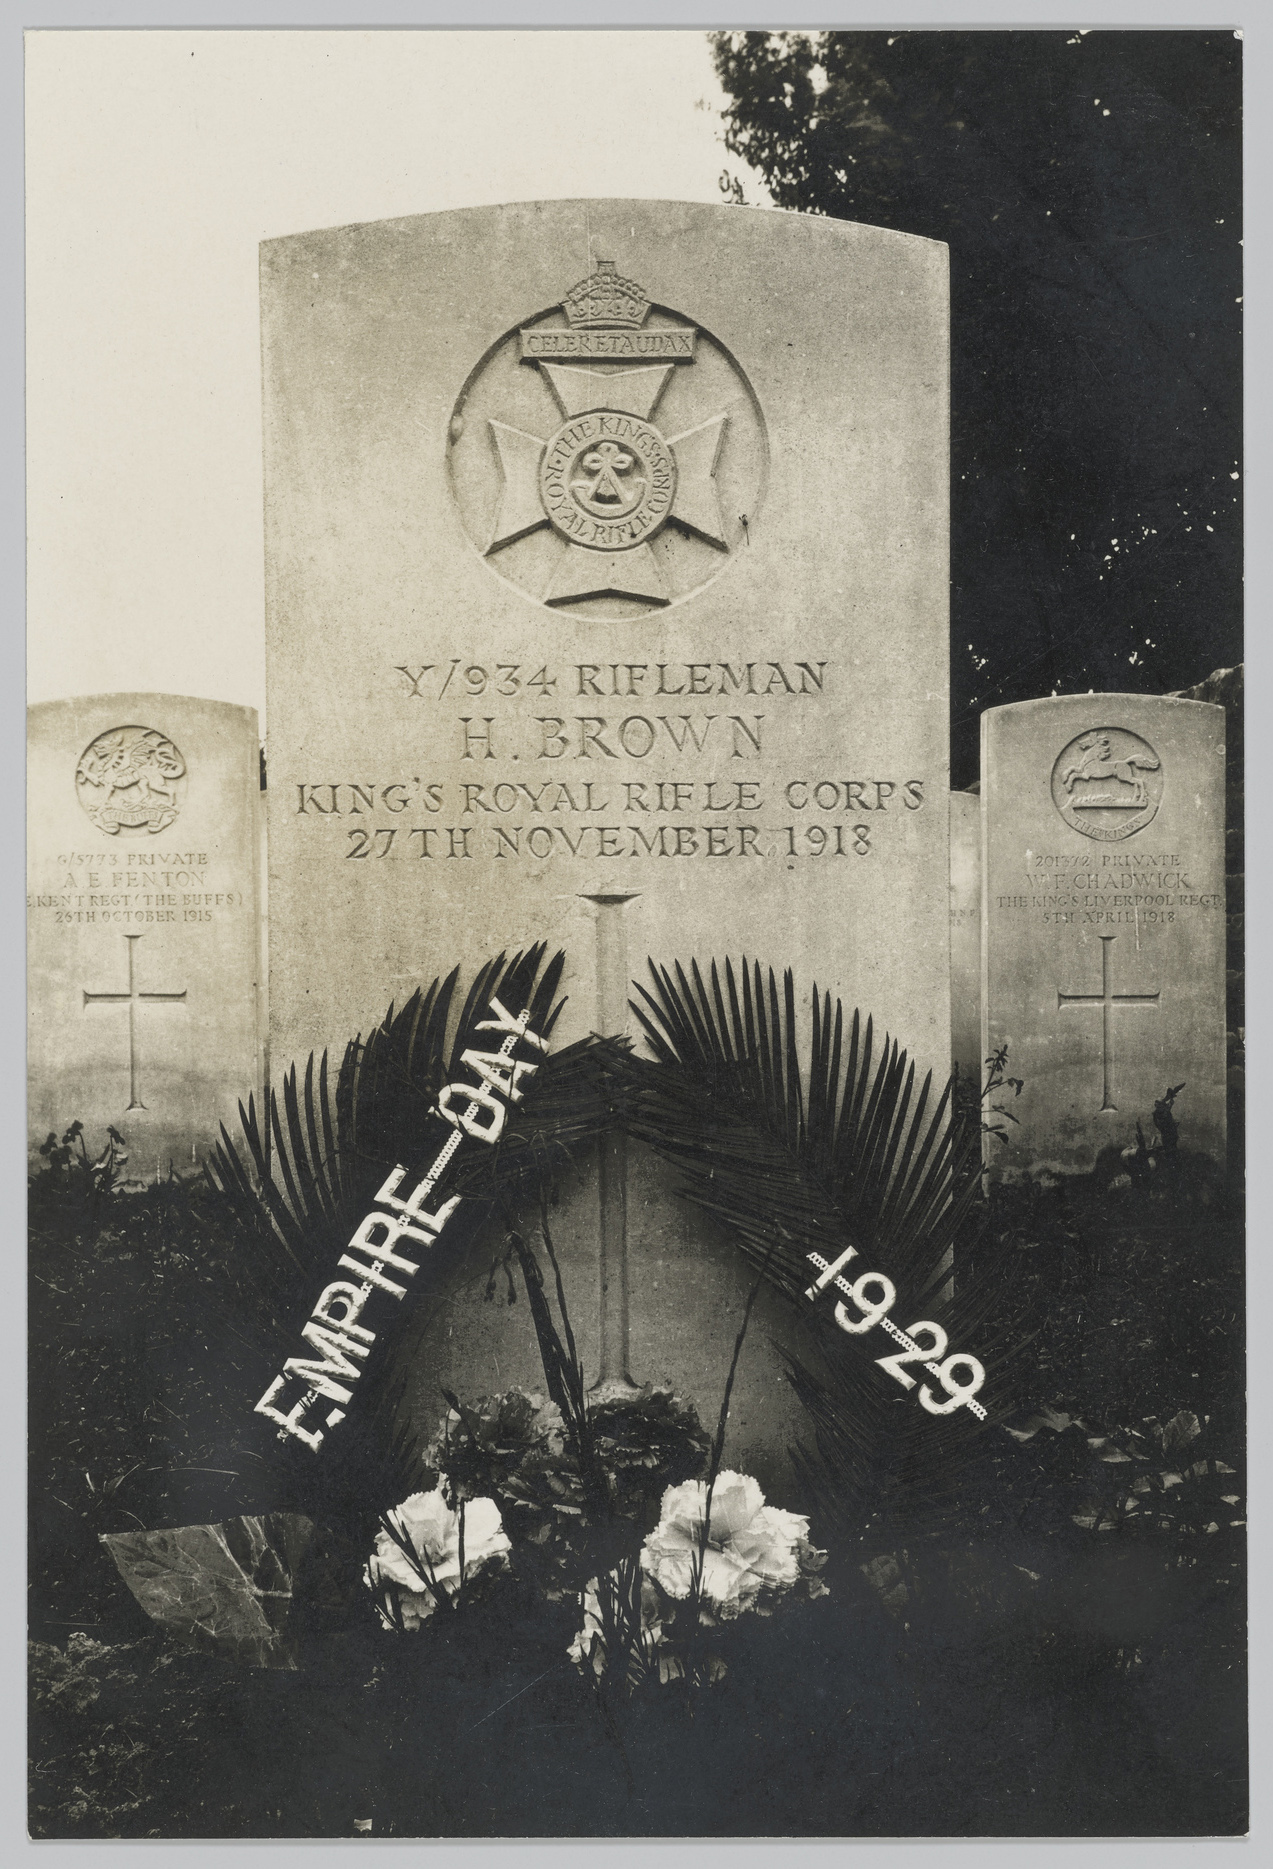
(794, 222)
(132, 704)
(1101, 700)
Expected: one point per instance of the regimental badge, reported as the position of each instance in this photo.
(1107, 783)
(130, 779)
(627, 451)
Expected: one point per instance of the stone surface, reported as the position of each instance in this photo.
(1226, 687)
(431, 629)
(1104, 927)
(965, 935)
(143, 930)
(227, 1587)
(606, 605)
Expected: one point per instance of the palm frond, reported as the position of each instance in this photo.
(297, 1202)
(847, 1149)
(860, 1157)
(333, 1146)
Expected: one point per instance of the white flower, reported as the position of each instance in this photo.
(755, 1554)
(432, 1529)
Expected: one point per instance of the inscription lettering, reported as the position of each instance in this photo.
(665, 346)
(349, 799)
(1108, 888)
(616, 680)
(637, 735)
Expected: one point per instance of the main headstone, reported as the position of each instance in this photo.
(965, 936)
(144, 988)
(607, 600)
(1104, 926)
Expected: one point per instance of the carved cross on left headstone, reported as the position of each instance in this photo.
(132, 999)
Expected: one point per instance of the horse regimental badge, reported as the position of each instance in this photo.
(1107, 783)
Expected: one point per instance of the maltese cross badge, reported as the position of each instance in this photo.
(601, 472)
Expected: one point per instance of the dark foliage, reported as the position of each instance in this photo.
(316, 1164)
(78, 1182)
(313, 1175)
(1089, 188)
(1054, 1644)
(1026, 1674)
(1098, 1701)
(137, 1383)
(501, 1447)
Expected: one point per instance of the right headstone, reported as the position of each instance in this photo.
(1104, 923)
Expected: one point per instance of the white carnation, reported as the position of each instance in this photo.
(432, 1529)
(754, 1555)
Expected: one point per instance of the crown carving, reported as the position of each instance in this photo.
(605, 299)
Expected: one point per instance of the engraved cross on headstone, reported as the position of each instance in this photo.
(614, 1377)
(132, 999)
(1107, 1000)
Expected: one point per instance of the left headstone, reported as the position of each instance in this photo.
(144, 984)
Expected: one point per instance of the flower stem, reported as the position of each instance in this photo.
(713, 1470)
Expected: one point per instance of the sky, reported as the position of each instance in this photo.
(156, 163)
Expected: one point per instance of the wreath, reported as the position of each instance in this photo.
(841, 1180)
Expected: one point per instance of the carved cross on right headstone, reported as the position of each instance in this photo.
(1107, 1000)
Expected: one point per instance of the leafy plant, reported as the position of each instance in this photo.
(997, 1081)
(1164, 1118)
(919, 131)
(70, 1172)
